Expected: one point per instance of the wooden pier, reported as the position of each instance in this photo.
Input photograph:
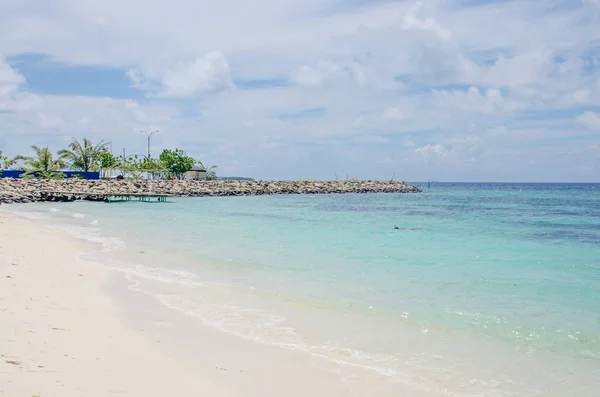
(106, 197)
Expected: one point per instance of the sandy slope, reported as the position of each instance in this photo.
(61, 336)
(73, 328)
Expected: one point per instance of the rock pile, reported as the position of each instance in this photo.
(31, 190)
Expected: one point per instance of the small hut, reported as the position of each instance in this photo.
(196, 173)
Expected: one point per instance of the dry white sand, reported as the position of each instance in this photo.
(62, 334)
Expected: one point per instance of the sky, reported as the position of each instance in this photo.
(455, 90)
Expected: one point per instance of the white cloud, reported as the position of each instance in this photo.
(53, 120)
(580, 96)
(427, 80)
(139, 80)
(50, 121)
(207, 74)
(415, 19)
(12, 99)
(393, 113)
(327, 72)
(409, 143)
(10, 78)
(430, 151)
(524, 69)
(590, 120)
(473, 100)
(318, 75)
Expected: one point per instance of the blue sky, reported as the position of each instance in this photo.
(47, 77)
(461, 90)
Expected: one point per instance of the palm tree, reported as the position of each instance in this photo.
(211, 175)
(43, 161)
(7, 162)
(86, 157)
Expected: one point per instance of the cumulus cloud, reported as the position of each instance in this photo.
(435, 56)
(316, 75)
(10, 78)
(327, 72)
(207, 74)
(525, 69)
(430, 151)
(12, 96)
(473, 100)
(417, 19)
(204, 75)
(590, 120)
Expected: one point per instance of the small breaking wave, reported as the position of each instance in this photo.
(93, 235)
(156, 274)
(30, 215)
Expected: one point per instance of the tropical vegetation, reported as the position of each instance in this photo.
(43, 163)
(8, 162)
(211, 175)
(86, 156)
(176, 162)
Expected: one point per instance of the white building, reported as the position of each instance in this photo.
(196, 173)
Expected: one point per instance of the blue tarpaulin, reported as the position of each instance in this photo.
(69, 174)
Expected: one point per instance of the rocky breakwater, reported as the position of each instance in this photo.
(32, 190)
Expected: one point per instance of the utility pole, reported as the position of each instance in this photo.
(149, 135)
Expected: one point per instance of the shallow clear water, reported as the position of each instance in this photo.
(486, 289)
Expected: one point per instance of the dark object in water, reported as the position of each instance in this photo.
(396, 227)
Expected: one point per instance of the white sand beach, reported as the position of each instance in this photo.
(64, 333)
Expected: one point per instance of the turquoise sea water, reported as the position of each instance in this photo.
(485, 290)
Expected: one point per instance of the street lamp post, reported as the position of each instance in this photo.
(149, 135)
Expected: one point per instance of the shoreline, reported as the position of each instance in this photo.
(37, 190)
(73, 328)
(193, 334)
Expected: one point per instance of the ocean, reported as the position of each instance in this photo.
(483, 290)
